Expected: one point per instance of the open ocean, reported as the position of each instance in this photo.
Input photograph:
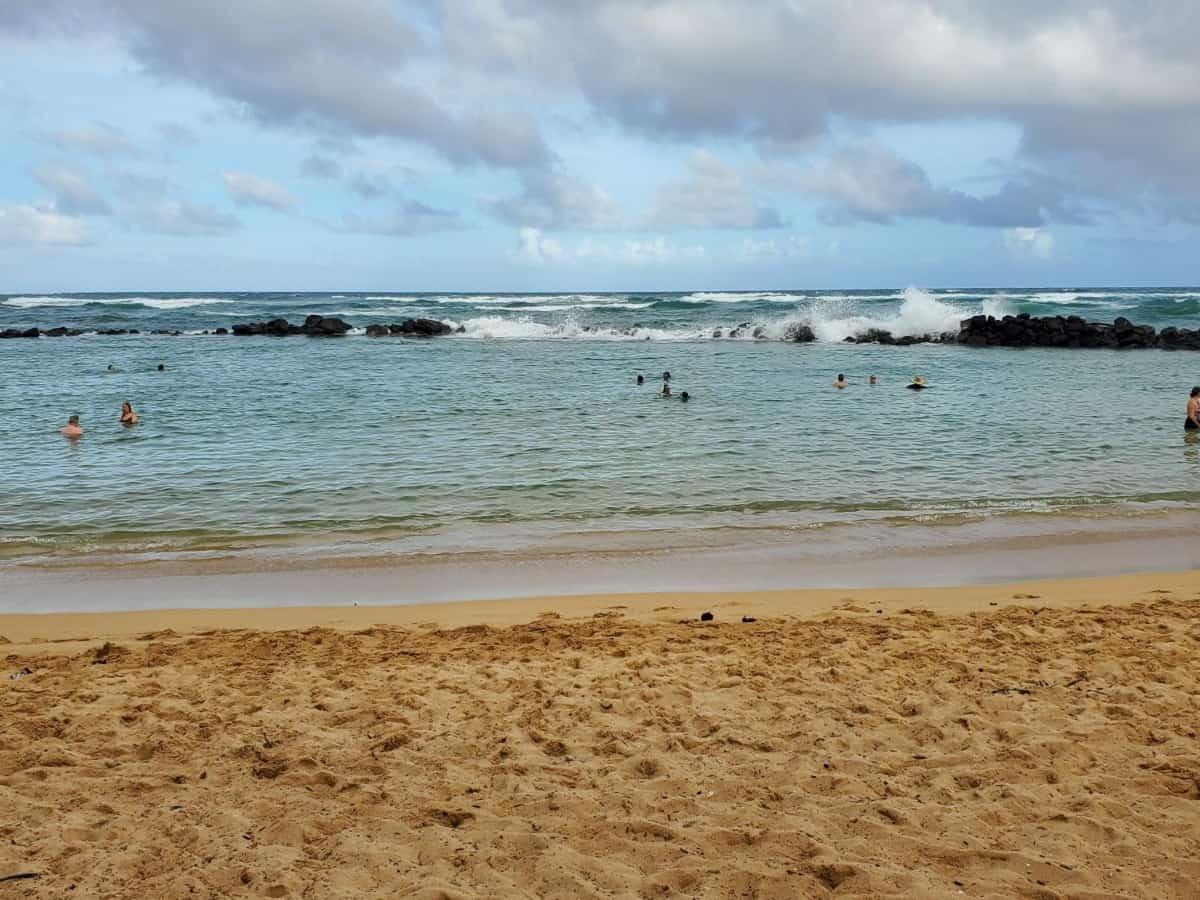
(527, 431)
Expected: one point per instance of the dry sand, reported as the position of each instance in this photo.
(1038, 740)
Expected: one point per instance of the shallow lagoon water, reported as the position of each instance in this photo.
(476, 443)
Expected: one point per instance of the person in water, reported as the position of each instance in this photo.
(162, 367)
(666, 391)
(917, 384)
(112, 370)
(871, 381)
(1192, 422)
(641, 379)
(684, 396)
(666, 376)
(128, 416)
(72, 429)
(841, 382)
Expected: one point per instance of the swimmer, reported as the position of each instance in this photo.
(917, 384)
(162, 367)
(72, 429)
(641, 380)
(112, 370)
(684, 397)
(666, 391)
(841, 382)
(1192, 422)
(128, 416)
(666, 376)
(871, 381)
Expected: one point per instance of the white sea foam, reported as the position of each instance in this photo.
(148, 302)
(920, 313)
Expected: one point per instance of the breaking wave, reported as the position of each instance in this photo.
(147, 302)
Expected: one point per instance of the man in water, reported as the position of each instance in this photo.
(162, 367)
(72, 429)
(871, 381)
(841, 382)
(1192, 422)
(684, 396)
(640, 379)
(112, 370)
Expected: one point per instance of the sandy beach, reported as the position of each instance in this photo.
(1039, 739)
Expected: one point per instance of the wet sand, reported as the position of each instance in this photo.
(1040, 739)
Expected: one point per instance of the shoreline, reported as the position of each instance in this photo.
(61, 631)
(871, 557)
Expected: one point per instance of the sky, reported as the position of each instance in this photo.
(590, 145)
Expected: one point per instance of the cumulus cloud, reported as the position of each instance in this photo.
(98, 139)
(72, 189)
(317, 64)
(755, 250)
(251, 190)
(714, 195)
(180, 218)
(868, 182)
(1029, 243)
(29, 225)
(558, 201)
(148, 205)
(1083, 80)
(408, 220)
(535, 248)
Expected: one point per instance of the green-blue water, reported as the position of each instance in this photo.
(528, 429)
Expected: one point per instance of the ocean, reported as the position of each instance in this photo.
(526, 433)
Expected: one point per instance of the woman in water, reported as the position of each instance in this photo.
(1192, 422)
(128, 416)
(917, 384)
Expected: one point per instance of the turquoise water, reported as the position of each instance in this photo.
(528, 430)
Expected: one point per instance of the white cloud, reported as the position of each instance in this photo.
(753, 250)
(98, 139)
(559, 201)
(250, 190)
(533, 247)
(1029, 243)
(29, 225)
(73, 192)
(180, 218)
(713, 195)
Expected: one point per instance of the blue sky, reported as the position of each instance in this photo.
(615, 145)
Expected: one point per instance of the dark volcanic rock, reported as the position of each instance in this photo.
(421, 328)
(800, 334)
(378, 330)
(1060, 331)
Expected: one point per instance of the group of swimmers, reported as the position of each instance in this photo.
(665, 393)
(74, 430)
(127, 419)
(917, 383)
